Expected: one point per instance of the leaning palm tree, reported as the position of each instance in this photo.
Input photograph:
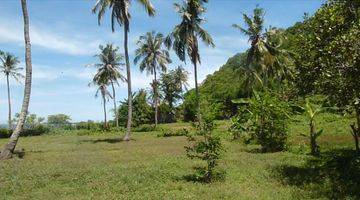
(120, 13)
(109, 69)
(153, 58)
(9, 148)
(8, 66)
(105, 94)
(184, 37)
(263, 56)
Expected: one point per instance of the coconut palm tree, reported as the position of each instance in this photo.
(9, 148)
(8, 66)
(120, 14)
(152, 58)
(105, 94)
(109, 70)
(261, 57)
(184, 37)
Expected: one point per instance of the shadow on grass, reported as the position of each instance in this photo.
(332, 175)
(200, 176)
(106, 140)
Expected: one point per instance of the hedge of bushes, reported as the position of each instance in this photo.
(37, 130)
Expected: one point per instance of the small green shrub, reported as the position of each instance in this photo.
(207, 147)
(172, 133)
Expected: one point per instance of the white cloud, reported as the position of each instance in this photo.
(73, 45)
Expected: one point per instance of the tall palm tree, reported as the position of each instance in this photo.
(153, 58)
(109, 70)
(8, 66)
(262, 54)
(120, 14)
(9, 148)
(105, 94)
(184, 37)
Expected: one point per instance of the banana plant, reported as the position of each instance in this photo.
(312, 111)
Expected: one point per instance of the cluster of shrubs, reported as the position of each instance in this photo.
(262, 120)
(33, 131)
(171, 133)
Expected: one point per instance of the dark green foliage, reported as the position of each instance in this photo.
(205, 146)
(171, 133)
(5, 133)
(89, 125)
(33, 131)
(269, 116)
(58, 120)
(264, 116)
(144, 128)
(241, 125)
(142, 111)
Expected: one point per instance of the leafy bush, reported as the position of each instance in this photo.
(145, 128)
(241, 125)
(208, 148)
(171, 133)
(89, 125)
(33, 131)
(264, 118)
(4, 133)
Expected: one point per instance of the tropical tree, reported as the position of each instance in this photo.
(9, 148)
(120, 14)
(8, 66)
(152, 58)
(184, 38)
(105, 94)
(172, 85)
(109, 70)
(265, 58)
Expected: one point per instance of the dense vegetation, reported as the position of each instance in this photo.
(289, 105)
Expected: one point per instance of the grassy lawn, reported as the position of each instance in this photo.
(100, 166)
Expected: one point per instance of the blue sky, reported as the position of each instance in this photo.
(65, 36)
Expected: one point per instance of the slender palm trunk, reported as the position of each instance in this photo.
(155, 98)
(197, 93)
(115, 107)
(104, 107)
(10, 146)
(9, 102)
(129, 120)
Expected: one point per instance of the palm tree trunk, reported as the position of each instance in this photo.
(155, 98)
(115, 108)
(105, 118)
(9, 102)
(197, 93)
(10, 146)
(129, 120)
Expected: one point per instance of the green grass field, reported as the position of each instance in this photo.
(101, 166)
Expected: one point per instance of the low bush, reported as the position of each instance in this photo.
(34, 131)
(4, 133)
(172, 133)
(144, 128)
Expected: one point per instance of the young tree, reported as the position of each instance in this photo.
(312, 111)
(9, 148)
(109, 70)
(153, 58)
(121, 14)
(184, 37)
(105, 94)
(8, 66)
